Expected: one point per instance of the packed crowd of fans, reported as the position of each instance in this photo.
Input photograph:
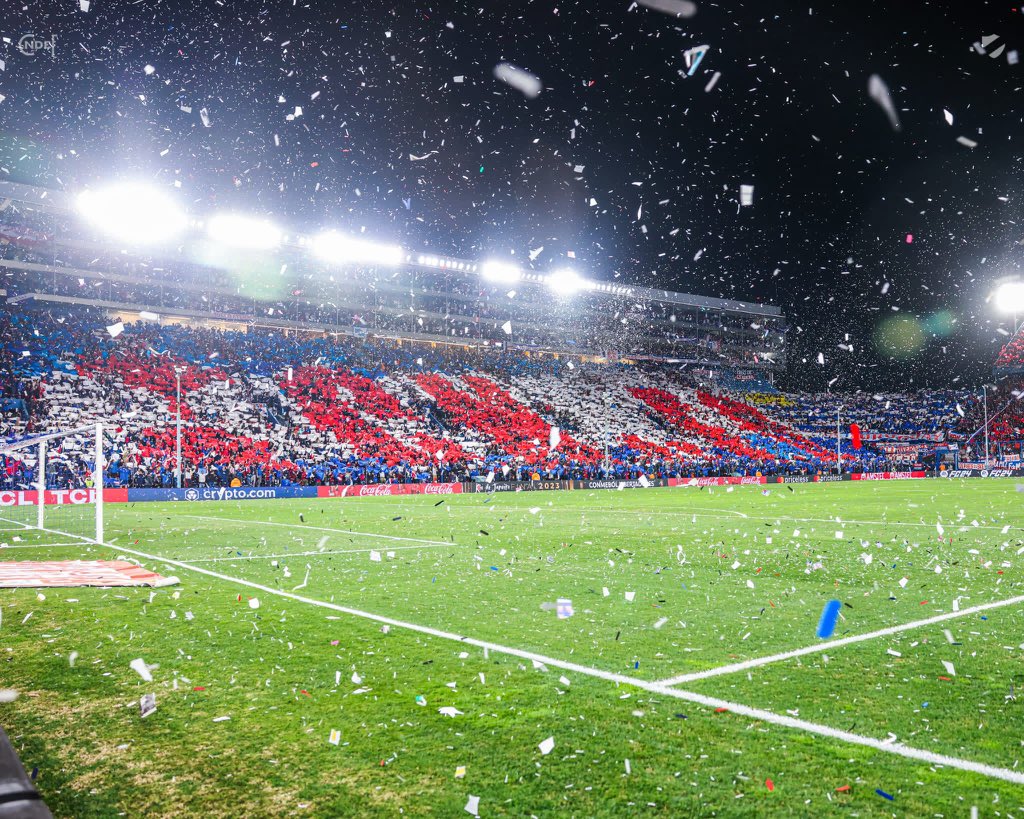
(1012, 353)
(264, 408)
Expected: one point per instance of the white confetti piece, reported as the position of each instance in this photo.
(139, 666)
(677, 8)
(115, 329)
(746, 195)
(948, 116)
(968, 143)
(630, 596)
(547, 746)
(335, 736)
(712, 82)
(375, 556)
(473, 805)
(903, 582)
(523, 81)
(946, 664)
(879, 92)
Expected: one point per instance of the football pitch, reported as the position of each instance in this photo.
(683, 678)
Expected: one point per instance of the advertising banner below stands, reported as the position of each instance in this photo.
(61, 497)
(999, 472)
(888, 476)
(517, 486)
(220, 493)
(611, 484)
(384, 489)
(83, 496)
(728, 480)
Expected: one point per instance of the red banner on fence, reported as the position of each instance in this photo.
(730, 480)
(383, 489)
(61, 497)
(888, 476)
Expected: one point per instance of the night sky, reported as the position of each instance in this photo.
(837, 189)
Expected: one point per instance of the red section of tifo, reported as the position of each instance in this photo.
(35, 574)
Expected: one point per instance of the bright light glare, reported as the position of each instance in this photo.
(243, 231)
(338, 249)
(132, 212)
(565, 282)
(1009, 297)
(500, 272)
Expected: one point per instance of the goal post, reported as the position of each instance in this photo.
(53, 483)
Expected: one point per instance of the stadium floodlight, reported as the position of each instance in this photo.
(246, 232)
(565, 282)
(133, 212)
(1009, 297)
(338, 249)
(500, 272)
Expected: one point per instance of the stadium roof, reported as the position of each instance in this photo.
(59, 202)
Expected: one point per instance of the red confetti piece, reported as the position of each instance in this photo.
(769, 785)
(198, 688)
(843, 789)
(924, 602)
(720, 710)
(946, 679)
(304, 691)
(313, 164)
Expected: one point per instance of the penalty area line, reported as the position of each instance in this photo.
(785, 721)
(842, 641)
(317, 554)
(322, 529)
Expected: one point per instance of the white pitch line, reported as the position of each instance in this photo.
(843, 641)
(322, 529)
(307, 554)
(41, 545)
(897, 749)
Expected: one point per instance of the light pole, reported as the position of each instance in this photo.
(177, 438)
(839, 444)
(984, 390)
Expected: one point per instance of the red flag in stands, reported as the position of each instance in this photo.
(855, 435)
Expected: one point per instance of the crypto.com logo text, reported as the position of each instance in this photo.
(31, 44)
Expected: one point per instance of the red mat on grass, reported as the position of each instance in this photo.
(36, 574)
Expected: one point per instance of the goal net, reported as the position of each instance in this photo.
(51, 487)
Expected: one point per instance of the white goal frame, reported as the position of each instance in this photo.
(39, 443)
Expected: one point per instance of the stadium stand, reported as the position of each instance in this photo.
(260, 407)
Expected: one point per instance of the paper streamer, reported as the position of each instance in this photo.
(829, 616)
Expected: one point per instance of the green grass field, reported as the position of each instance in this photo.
(716, 578)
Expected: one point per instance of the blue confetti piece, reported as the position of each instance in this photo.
(829, 616)
(984, 618)
(636, 664)
(494, 568)
(884, 795)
